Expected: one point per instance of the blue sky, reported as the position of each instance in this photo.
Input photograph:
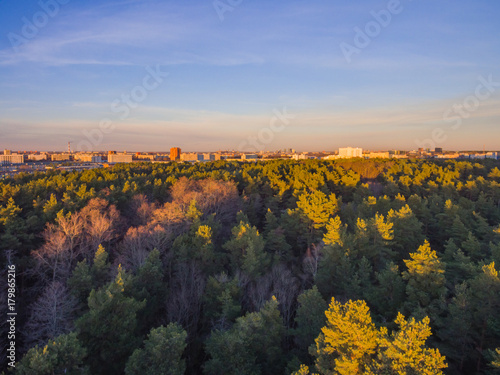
(231, 70)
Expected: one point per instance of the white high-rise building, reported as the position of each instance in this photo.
(9, 158)
(350, 152)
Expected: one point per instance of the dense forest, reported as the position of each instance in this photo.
(278, 267)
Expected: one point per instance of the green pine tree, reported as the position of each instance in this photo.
(162, 353)
(63, 355)
(108, 329)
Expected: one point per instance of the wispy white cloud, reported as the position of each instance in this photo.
(319, 128)
(225, 76)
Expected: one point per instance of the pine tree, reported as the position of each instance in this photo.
(458, 230)
(196, 245)
(495, 252)
(472, 248)
(222, 300)
(496, 359)
(304, 370)
(100, 267)
(486, 304)
(277, 247)
(251, 347)
(382, 235)
(296, 234)
(51, 208)
(317, 208)
(334, 232)
(405, 351)
(361, 240)
(247, 250)
(148, 285)
(85, 278)
(310, 318)
(337, 274)
(81, 282)
(193, 214)
(388, 294)
(108, 329)
(482, 229)
(426, 282)
(350, 344)
(63, 355)
(271, 222)
(459, 267)
(373, 240)
(12, 227)
(457, 332)
(161, 354)
(407, 230)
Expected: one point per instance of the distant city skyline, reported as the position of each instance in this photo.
(283, 150)
(150, 75)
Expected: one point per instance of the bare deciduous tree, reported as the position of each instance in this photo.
(212, 197)
(139, 242)
(54, 259)
(159, 238)
(101, 222)
(140, 210)
(74, 236)
(279, 282)
(134, 248)
(171, 215)
(286, 288)
(184, 303)
(256, 292)
(72, 227)
(311, 260)
(51, 315)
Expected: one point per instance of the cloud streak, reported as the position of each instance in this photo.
(226, 78)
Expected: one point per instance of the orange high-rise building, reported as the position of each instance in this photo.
(175, 153)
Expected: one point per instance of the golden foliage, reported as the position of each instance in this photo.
(351, 344)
